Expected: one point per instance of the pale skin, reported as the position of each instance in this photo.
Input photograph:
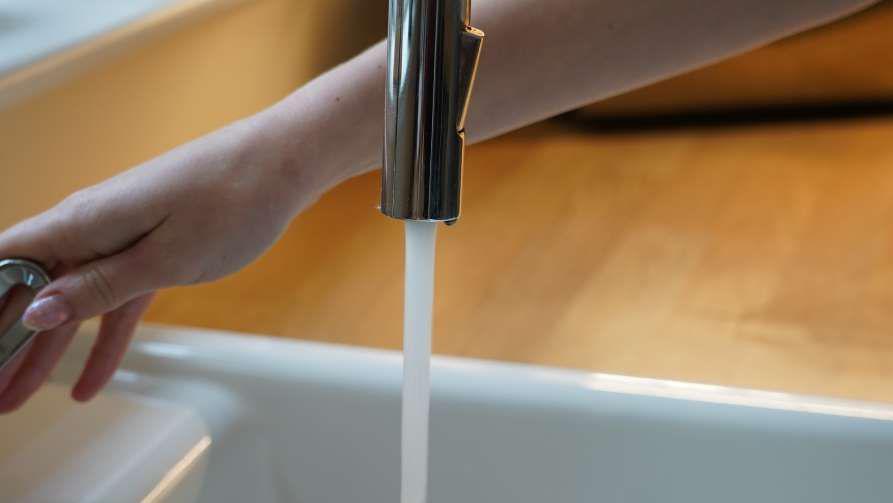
(210, 207)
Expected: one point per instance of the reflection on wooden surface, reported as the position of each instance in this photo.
(755, 257)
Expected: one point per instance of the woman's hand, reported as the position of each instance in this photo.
(195, 214)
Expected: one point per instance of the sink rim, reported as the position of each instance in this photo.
(164, 347)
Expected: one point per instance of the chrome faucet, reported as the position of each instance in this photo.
(433, 54)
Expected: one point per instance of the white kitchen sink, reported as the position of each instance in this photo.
(212, 417)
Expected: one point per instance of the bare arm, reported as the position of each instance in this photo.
(542, 58)
(206, 209)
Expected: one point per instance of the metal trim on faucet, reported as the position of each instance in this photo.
(15, 335)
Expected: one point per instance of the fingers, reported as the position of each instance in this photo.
(95, 222)
(95, 288)
(46, 350)
(114, 336)
(29, 239)
(30, 369)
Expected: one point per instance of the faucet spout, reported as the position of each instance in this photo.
(433, 55)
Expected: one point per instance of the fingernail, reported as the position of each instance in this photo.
(47, 313)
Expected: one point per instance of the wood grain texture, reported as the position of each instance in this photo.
(757, 257)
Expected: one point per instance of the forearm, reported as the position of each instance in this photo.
(541, 58)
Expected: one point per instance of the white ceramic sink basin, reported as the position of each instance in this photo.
(308, 423)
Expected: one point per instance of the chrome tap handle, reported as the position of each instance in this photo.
(14, 335)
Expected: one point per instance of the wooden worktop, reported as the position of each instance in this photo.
(751, 256)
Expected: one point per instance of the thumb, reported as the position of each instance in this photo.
(90, 290)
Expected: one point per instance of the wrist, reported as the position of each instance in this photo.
(327, 131)
(285, 169)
